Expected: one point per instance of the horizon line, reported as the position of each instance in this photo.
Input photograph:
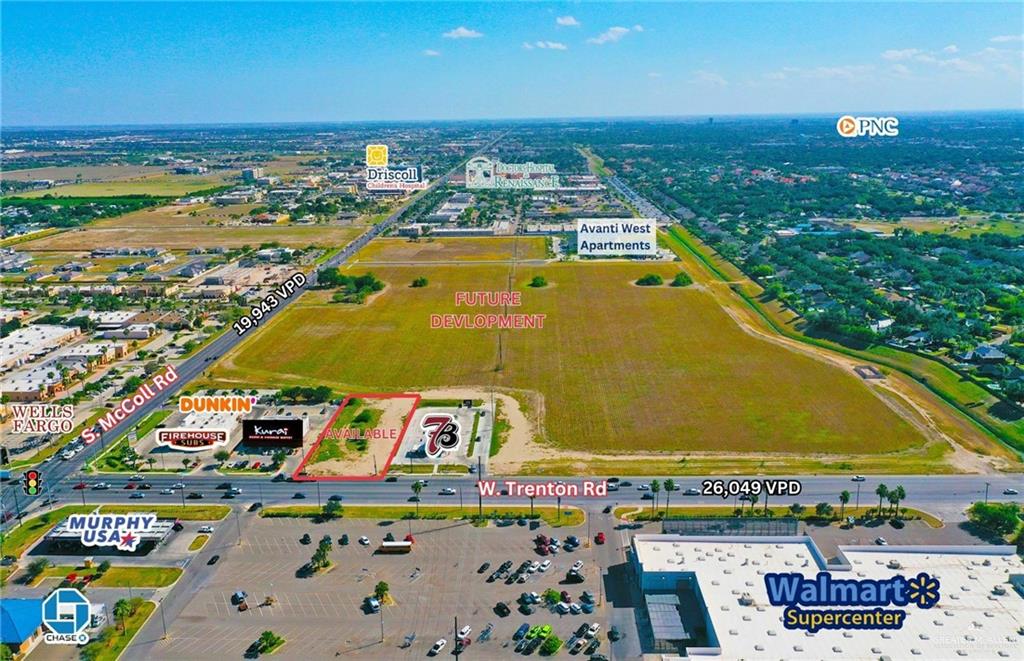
(581, 118)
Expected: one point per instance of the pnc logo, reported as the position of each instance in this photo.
(849, 126)
(376, 156)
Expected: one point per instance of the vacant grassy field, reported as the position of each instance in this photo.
(157, 184)
(185, 237)
(194, 215)
(651, 369)
(454, 249)
(956, 227)
(86, 172)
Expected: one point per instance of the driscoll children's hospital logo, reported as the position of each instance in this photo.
(795, 590)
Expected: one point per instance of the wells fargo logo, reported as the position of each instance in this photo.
(376, 156)
(210, 404)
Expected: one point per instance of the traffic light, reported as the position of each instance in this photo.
(33, 482)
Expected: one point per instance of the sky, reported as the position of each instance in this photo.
(178, 63)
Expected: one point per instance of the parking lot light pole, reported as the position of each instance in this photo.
(160, 606)
(456, 637)
(239, 526)
(381, 625)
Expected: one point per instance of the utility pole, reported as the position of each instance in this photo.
(986, 492)
(456, 637)
(318, 506)
(163, 621)
(461, 506)
(857, 503)
(479, 491)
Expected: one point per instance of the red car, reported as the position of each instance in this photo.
(542, 540)
(80, 485)
(543, 550)
(599, 539)
(130, 485)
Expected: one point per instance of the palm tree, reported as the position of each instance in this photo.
(844, 498)
(655, 488)
(185, 462)
(531, 505)
(381, 590)
(894, 499)
(753, 501)
(900, 495)
(122, 609)
(881, 491)
(766, 503)
(268, 639)
(417, 487)
(150, 461)
(670, 486)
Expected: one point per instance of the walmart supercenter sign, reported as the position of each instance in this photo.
(862, 601)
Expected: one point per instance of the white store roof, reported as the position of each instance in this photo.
(969, 621)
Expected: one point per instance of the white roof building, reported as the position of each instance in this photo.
(980, 612)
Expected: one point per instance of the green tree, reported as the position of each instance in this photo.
(185, 462)
(650, 280)
(670, 486)
(881, 491)
(268, 640)
(150, 461)
(222, 455)
(104, 567)
(681, 280)
(753, 501)
(1001, 518)
(417, 487)
(35, 568)
(823, 509)
(419, 282)
(332, 509)
(900, 494)
(381, 590)
(122, 609)
(655, 489)
(844, 498)
(539, 281)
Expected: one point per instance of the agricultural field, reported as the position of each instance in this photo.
(454, 249)
(159, 185)
(185, 238)
(653, 369)
(171, 216)
(958, 227)
(88, 173)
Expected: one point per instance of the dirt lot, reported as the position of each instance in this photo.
(323, 616)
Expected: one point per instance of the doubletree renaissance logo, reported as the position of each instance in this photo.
(794, 591)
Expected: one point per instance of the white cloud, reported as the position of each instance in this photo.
(527, 45)
(654, 74)
(847, 72)
(952, 48)
(638, 28)
(901, 70)
(553, 45)
(1006, 38)
(462, 32)
(709, 78)
(902, 54)
(611, 35)
(431, 53)
(567, 21)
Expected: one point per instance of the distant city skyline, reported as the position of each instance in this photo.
(237, 63)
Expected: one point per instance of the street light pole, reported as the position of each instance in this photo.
(986, 492)
(381, 625)
(857, 504)
(163, 621)
(239, 526)
(318, 494)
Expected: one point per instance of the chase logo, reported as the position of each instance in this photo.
(376, 156)
(795, 590)
(66, 614)
(849, 126)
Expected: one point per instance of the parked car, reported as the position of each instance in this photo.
(364, 540)
(484, 567)
(593, 629)
(881, 541)
(373, 604)
(575, 609)
(562, 608)
(607, 509)
(465, 631)
(578, 565)
(592, 647)
(534, 566)
(599, 538)
(544, 566)
(502, 609)
(521, 631)
(565, 597)
(438, 646)
(213, 560)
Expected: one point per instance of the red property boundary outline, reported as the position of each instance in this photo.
(394, 451)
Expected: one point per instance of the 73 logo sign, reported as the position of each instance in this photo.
(443, 433)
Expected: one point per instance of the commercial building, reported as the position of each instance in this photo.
(32, 342)
(21, 624)
(706, 596)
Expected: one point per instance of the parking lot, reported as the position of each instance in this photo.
(325, 615)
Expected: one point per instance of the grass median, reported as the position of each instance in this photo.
(570, 516)
(116, 577)
(808, 514)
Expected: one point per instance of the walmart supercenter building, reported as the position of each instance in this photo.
(707, 596)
